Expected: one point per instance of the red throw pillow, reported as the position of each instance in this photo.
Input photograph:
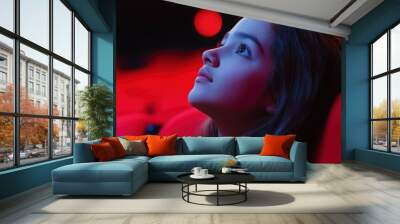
(161, 145)
(103, 151)
(277, 145)
(116, 145)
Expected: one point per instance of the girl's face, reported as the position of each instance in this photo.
(234, 76)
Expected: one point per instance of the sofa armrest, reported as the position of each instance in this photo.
(83, 153)
(298, 155)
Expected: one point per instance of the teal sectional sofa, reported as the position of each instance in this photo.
(125, 176)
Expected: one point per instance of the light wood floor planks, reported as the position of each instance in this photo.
(356, 183)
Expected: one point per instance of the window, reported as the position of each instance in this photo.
(30, 87)
(385, 94)
(30, 72)
(38, 89)
(44, 91)
(3, 61)
(47, 76)
(81, 45)
(7, 73)
(3, 78)
(38, 73)
(7, 14)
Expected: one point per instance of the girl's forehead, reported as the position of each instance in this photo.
(260, 30)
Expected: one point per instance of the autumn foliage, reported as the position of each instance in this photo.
(380, 127)
(33, 131)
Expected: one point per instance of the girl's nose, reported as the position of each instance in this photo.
(210, 57)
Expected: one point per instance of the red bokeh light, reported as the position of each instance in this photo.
(207, 23)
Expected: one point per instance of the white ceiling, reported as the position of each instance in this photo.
(326, 16)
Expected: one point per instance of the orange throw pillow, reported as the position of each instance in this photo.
(136, 137)
(103, 151)
(116, 145)
(277, 145)
(161, 145)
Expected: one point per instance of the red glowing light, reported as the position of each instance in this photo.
(207, 23)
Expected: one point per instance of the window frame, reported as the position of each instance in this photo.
(16, 114)
(388, 74)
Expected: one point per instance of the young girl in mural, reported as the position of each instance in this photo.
(266, 78)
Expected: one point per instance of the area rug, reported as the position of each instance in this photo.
(167, 198)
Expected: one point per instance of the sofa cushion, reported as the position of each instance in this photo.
(185, 163)
(257, 163)
(249, 145)
(103, 151)
(207, 145)
(111, 171)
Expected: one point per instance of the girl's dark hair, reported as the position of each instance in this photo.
(304, 82)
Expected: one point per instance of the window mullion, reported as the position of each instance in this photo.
(73, 82)
(50, 87)
(16, 85)
(389, 106)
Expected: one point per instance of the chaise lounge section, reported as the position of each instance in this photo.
(125, 176)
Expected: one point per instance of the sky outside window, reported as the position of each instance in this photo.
(7, 14)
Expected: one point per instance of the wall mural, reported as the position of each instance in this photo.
(196, 72)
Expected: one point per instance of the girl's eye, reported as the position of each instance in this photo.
(243, 50)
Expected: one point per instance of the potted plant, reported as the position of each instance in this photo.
(96, 102)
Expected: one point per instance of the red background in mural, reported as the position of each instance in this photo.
(156, 69)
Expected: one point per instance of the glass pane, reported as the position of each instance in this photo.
(34, 17)
(62, 29)
(6, 142)
(379, 97)
(395, 136)
(7, 14)
(6, 74)
(379, 135)
(81, 81)
(62, 138)
(62, 89)
(395, 94)
(81, 45)
(34, 81)
(33, 139)
(379, 55)
(395, 47)
(81, 131)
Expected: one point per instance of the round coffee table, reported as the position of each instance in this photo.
(238, 179)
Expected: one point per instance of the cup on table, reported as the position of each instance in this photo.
(226, 170)
(203, 172)
(196, 171)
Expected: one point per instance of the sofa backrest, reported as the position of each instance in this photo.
(206, 145)
(249, 145)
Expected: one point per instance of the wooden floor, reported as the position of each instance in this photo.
(354, 182)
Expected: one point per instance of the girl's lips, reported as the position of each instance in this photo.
(204, 76)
